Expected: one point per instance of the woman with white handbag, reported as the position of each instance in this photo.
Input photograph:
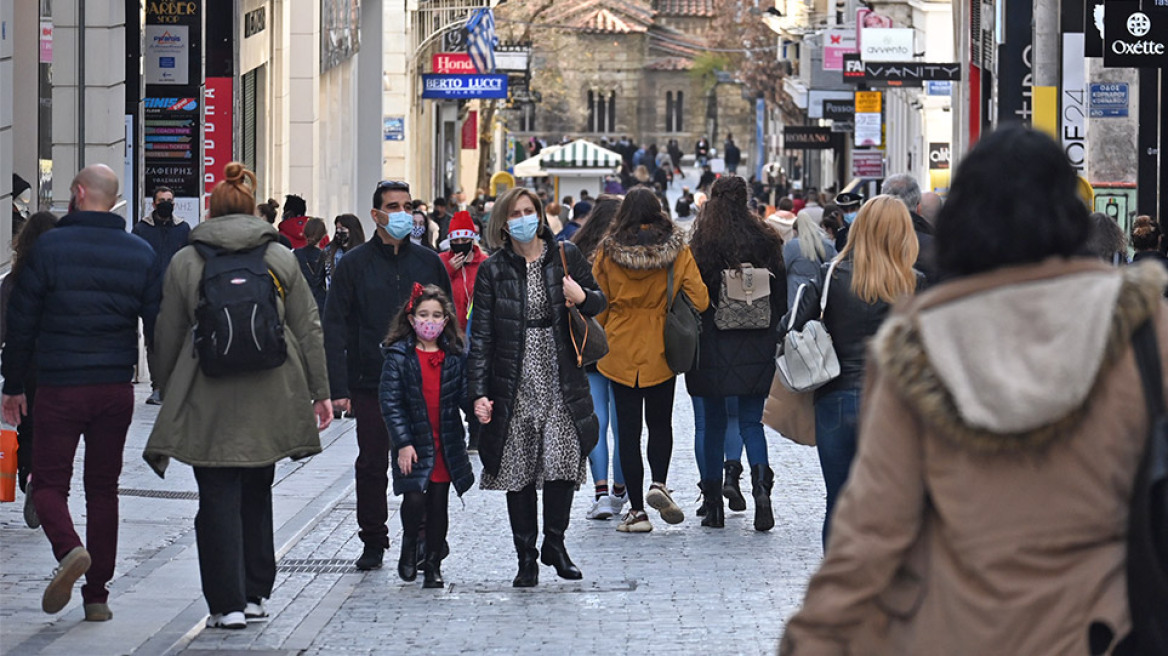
(872, 271)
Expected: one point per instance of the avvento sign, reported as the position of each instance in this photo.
(1133, 38)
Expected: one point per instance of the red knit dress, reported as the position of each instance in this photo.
(431, 364)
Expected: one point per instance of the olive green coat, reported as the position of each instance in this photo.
(252, 419)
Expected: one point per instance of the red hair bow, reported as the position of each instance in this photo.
(415, 294)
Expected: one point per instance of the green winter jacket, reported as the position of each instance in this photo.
(252, 419)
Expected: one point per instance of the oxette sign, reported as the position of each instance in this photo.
(438, 86)
(453, 63)
(1133, 38)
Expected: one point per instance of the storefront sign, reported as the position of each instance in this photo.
(837, 42)
(1109, 100)
(910, 73)
(218, 134)
(867, 164)
(892, 44)
(470, 131)
(436, 86)
(340, 31)
(939, 154)
(842, 114)
(796, 137)
(46, 42)
(1134, 38)
(453, 63)
(172, 111)
(939, 88)
(172, 146)
(868, 102)
(1073, 132)
(1015, 97)
(1093, 20)
(869, 130)
(254, 22)
(167, 54)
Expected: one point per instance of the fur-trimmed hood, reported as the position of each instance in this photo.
(1007, 361)
(656, 248)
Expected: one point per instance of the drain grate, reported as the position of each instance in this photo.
(316, 565)
(157, 494)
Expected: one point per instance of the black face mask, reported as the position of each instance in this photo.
(461, 249)
(165, 209)
(342, 237)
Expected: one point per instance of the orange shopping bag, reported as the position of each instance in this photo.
(8, 448)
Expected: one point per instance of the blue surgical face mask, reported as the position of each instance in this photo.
(523, 229)
(849, 217)
(400, 224)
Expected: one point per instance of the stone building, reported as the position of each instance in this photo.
(625, 68)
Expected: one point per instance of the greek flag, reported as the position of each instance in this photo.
(480, 42)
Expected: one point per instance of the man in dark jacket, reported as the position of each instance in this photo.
(905, 187)
(370, 284)
(732, 155)
(76, 306)
(166, 234)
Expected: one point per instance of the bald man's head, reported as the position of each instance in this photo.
(930, 207)
(95, 189)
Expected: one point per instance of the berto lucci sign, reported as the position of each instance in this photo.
(1133, 38)
(439, 86)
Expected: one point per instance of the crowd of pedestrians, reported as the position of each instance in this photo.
(947, 324)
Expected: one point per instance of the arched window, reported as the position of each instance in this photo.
(591, 111)
(678, 105)
(611, 111)
(669, 111)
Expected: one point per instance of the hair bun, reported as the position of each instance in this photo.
(272, 203)
(1143, 221)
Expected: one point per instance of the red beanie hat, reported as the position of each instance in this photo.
(462, 227)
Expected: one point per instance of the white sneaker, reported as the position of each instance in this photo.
(600, 509)
(617, 502)
(635, 522)
(255, 610)
(234, 620)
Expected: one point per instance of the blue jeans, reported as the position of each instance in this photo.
(836, 415)
(603, 404)
(712, 418)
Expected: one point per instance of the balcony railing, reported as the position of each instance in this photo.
(433, 18)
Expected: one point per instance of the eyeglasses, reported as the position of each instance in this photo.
(393, 185)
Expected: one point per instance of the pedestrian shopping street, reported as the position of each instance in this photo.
(680, 589)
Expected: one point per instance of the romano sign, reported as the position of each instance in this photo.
(1133, 38)
(808, 138)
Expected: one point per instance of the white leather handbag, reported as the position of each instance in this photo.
(807, 359)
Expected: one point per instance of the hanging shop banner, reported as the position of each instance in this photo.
(173, 150)
(441, 87)
(891, 44)
(909, 74)
(1073, 131)
(853, 68)
(939, 155)
(340, 31)
(1016, 63)
(867, 164)
(799, 137)
(868, 102)
(837, 42)
(1134, 38)
(1109, 100)
(453, 63)
(173, 43)
(842, 114)
(470, 131)
(1093, 14)
(869, 130)
(218, 141)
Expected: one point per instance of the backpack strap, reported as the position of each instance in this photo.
(669, 287)
(826, 287)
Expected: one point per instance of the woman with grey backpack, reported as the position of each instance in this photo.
(741, 262)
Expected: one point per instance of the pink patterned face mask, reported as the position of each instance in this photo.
(428, 330)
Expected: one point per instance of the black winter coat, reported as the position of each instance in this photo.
(849, 320)
(404, 409)
(166, 240)
(496, 351)
(738, 362)
(371, 283)
(77, 303)
(311, 261)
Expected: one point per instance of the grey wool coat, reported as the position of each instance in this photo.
(252, 419)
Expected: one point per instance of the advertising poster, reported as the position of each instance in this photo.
(167, 54)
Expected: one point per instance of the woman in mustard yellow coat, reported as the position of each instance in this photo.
(632, 268)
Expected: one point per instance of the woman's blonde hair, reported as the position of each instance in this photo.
(235, 194)
(883, 247)
(493, 236)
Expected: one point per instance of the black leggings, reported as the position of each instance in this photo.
(427, 509)
(657, 404)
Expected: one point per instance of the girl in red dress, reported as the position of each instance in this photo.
(423, 386)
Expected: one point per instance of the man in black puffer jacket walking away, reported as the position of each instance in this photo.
(76, 306)
(371, 283)
(166, 234)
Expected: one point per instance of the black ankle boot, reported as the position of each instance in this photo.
(715, 513)
(433, 576)
(521, 508)
(762, 478)
(407, 563)
(701, 497)
(730, 488)
(557, 508)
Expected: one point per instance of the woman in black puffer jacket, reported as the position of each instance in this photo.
(423, 387)
(529, 393)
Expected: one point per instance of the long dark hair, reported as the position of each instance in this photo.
(1014, 200)
(599, 221)
(451, 338)
(36, 225)
(727, 234)
(356, 238)
(640, 208)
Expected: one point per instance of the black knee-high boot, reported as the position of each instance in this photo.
(521, 508)
(557, 508)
